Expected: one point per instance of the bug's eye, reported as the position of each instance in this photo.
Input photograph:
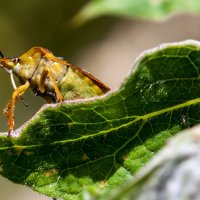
(16, 60)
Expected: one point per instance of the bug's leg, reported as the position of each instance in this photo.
(47, 72)
(9, 109)
(58, 94)
(15, 87)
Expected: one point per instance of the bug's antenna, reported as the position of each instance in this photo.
(23, 100)
(1, 55)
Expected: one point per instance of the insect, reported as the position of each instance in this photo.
(48, 76)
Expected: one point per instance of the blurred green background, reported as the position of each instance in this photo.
(106, 47)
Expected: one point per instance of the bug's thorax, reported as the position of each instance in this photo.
(31, 65)
(24, 66)
(27, 65)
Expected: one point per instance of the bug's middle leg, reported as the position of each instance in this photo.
(47, 72)
(9, 109)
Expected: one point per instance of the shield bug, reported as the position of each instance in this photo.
(48, 76)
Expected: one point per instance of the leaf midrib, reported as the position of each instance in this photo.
(144, 117)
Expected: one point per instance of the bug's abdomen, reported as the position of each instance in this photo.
(75, 85)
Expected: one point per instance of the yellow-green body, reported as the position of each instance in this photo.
(72, 82)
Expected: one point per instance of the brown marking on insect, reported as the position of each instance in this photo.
(50, 77)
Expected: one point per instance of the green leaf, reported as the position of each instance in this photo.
(146, 9)
(172, 174)
(102, 142)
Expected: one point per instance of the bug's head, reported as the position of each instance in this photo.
(8, 63)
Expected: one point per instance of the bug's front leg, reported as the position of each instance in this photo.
(47, 72)
(9, 109)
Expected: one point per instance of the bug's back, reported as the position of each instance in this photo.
(73, 82)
